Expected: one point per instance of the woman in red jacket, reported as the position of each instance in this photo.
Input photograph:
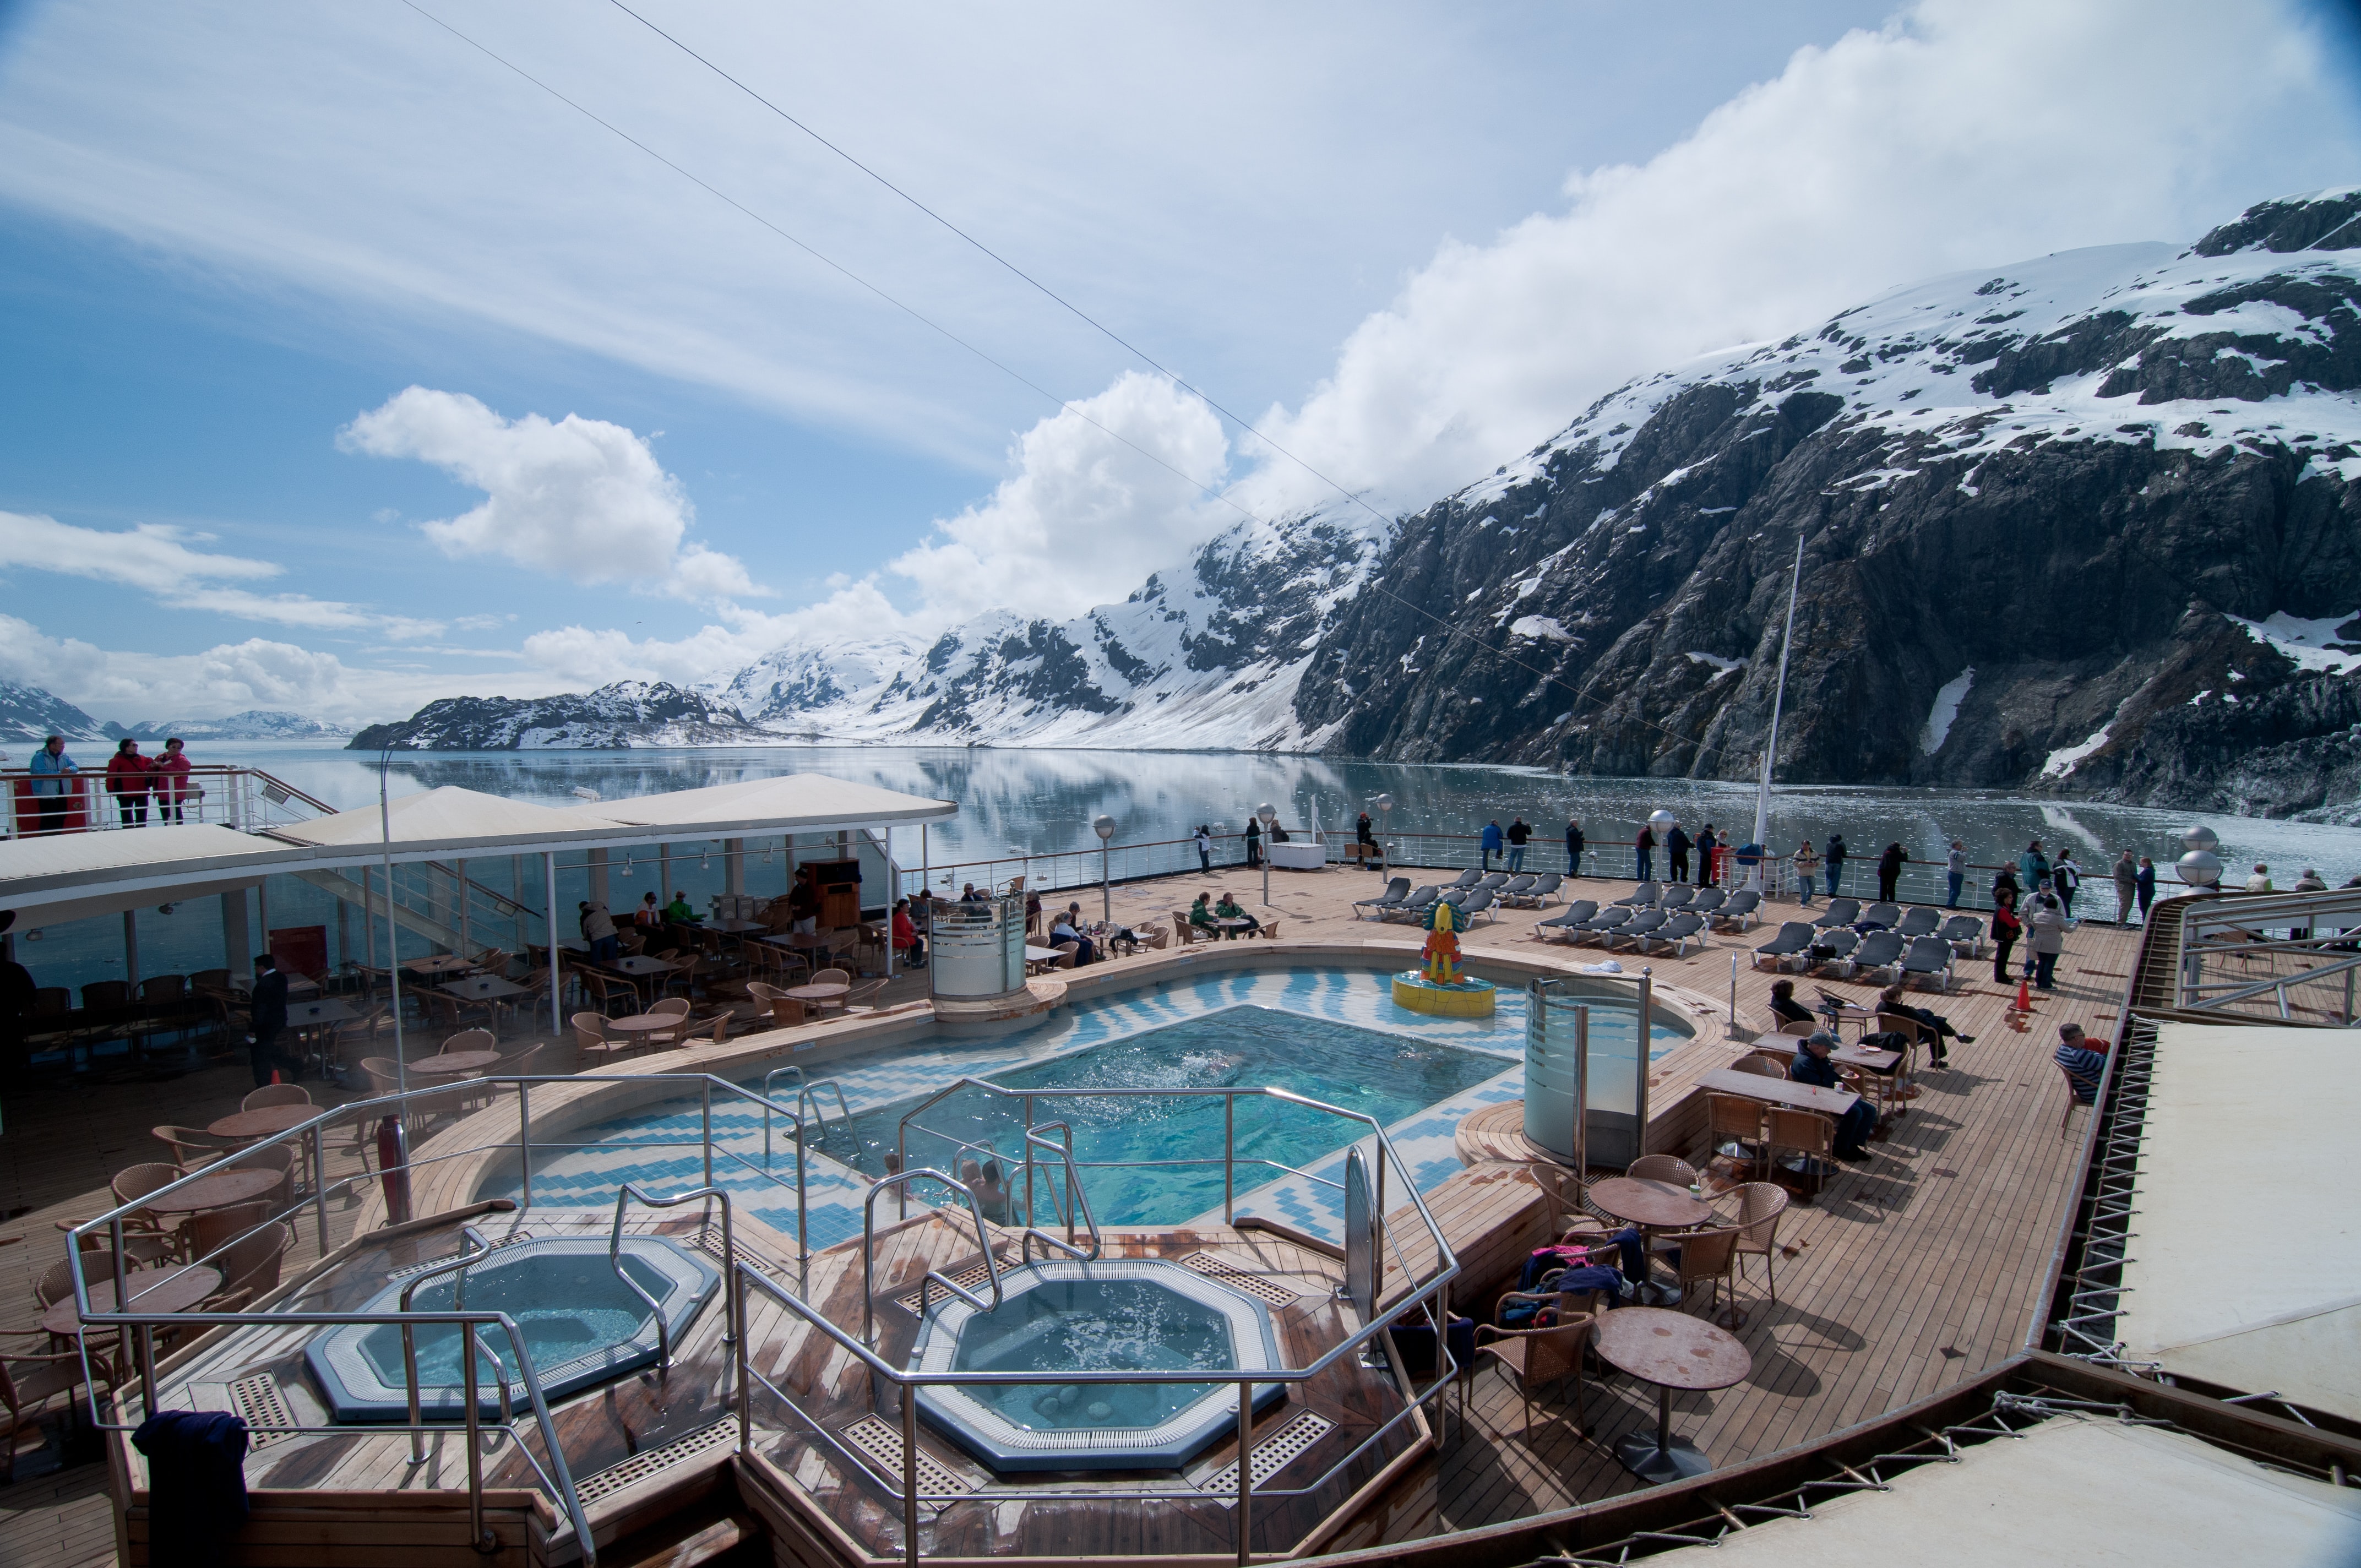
(126, 781)
(172, 785)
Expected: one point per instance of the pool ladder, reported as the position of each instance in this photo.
(1077, 1200)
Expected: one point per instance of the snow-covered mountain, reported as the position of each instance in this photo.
(254, 724)
(30, 713)
(2086, 523)
(614, 718)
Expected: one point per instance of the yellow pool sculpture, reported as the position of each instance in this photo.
(1441, 985)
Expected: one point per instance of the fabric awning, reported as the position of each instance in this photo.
(453, 823)
(793, 803)
(105, 872)
(2246, 1268)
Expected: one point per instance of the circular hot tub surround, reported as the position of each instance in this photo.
(582, 1325)
(1059, 1318)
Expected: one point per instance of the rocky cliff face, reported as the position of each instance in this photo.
(625, 714)
(31, 715)
(2085, 525)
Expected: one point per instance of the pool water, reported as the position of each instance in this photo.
(1385, 1075)
(566, 1307)
(1094, 1326)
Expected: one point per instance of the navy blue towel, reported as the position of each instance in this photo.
(196, 1484)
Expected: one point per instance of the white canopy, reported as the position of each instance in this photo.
(453, 822)
(2068, 1490)
(2246, 1268)
(793, 803)
(71, 876)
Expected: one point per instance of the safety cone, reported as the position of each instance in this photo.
(2024, 995)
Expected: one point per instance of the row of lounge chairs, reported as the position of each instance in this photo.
(1645, 929)
(1887, 955)
(1475, 892)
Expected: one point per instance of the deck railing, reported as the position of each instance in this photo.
(246, 798)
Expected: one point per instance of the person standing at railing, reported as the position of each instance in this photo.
(2066, 878)
(1206, 848)
(126, 781)
(1517, 835)
(2127, 889)
(1889, 872)
(1955, 868)
(50, 766)
(1644, 847)
(1364, 840)
(1677, 842)
(1254, 841)
(1807, 871)
(1834, 855)
(1575, 845)
(171, 780)
(2147, 885)
(1707, 843)
(1491, 841)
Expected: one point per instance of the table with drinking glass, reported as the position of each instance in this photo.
(1652, 1206)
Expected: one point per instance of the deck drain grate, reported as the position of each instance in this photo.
(1272, 1454)
(710, 1245)
(1236, 1278)
(973, 1277)
(640, 1466)
(261, 1403)
(879, 1441)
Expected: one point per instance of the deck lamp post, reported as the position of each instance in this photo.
(1385, 805)
(1663, 822)
(2200, 868)
(1268, 814)
(1104, 826)
(392, 1142)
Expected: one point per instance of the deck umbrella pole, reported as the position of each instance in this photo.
(392, 1133)
(549, 872)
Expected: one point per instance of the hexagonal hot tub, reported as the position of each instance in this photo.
(580, 1322)
(1115, 1315)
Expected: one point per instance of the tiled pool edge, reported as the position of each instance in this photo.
(450, 1169)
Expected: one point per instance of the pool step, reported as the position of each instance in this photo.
(733, 1538)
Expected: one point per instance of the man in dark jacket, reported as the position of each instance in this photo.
(1575, 845)
(1706, 845)
(1518, 834)
(1677, 842)
(1833, 853)
(1812, 1065)
(269, 1016)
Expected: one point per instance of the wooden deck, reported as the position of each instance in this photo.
(1904, 1277)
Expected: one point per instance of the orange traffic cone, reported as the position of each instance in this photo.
(2024, 995)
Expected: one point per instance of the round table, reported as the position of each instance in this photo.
(452, 1063)
(151, 1291)
(821, 994)
(1671, 1350)
(648, 1023)
(1652, 1206)
(247, 1125)
(446, 963)
(1232, 925)
(216, 1191)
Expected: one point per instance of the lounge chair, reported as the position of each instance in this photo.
(1879, 951)
(1840, 911)
(1833, 948)
(1580, 910)
(1415, 906)
(1545, 888)
(1965, 931)
(1674, 898)
(1643, 896)
(1918, 921)
(1637, 928)
(1396, 892)
(1597, 927)
(1677, 933)
(1707, 902)
(1479, 901)
(1468, 878)
(1886, 914)
(1737, 910)
(1793, 942)
(1457, 894)
(1493, 879)
(1513, 891)
(1930, 957)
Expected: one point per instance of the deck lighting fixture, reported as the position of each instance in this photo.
(1104, 826)
(1268, 814)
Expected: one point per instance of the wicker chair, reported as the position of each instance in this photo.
(1810, 1134)
(1535, 1358)
(271, 1094)
(1709, 1258)
(1667, 1168)
(1734, 1118)
(1760, 1204)
(187, 1153)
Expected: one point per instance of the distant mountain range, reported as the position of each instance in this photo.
(2087, 524)
(31, 715)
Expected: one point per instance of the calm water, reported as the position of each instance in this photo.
(1382, 1075)
(1019, 803)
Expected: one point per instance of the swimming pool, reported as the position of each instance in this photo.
(658, 1147)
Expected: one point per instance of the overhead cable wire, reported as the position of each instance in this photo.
(1452, 629)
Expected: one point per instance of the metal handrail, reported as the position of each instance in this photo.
(868, 1250)
(623, 1195)
(460, 1266)
(1077, 1200)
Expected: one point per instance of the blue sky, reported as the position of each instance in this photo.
(1412, 240)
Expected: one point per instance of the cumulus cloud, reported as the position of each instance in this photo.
(1104, 491)
(1964, 133)
(579, 498)
(580, 656)
(156, 558)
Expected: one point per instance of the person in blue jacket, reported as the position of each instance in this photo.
(1493, 839)
(50, 766)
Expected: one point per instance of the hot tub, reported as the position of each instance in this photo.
(583, 1326)
(1067, 1317)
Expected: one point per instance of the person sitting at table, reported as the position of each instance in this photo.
(1784, 1005)
(1812, 1065)
(1061, 931)
(2084, 1066)
(1201, 914)
(599, 930)
(1230, 909)
(906, 936)
(1891, 1000)
(972, 896)
(680, 908)
(647, 916)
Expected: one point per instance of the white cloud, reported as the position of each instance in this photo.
(579, 498)
(576, 658)
(1964, 133)
(1099, 501)
(156, 559)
